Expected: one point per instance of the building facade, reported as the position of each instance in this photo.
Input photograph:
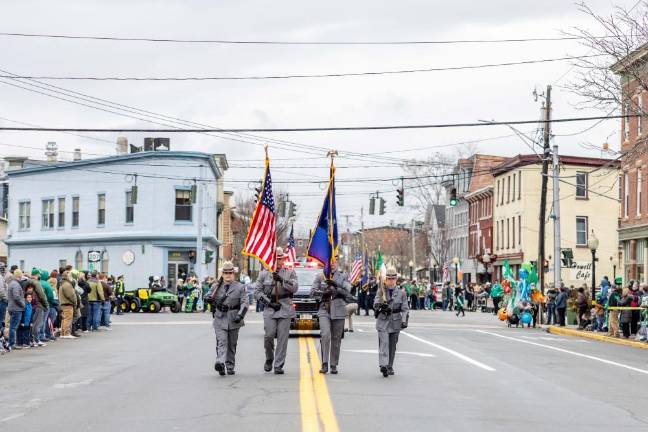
(87, 214)
(632, 255)
(588, 206)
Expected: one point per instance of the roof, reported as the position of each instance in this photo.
(534, 159)
(636, 57)
(118, 159)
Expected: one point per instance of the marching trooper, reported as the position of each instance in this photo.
(332, 296)
(275, 291)
(229, 305)
(392, 315)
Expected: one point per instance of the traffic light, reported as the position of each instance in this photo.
(209, 256)
(400, 197)
(192, 257)
(567, 257)
(292, 210)
(382, 207)
(453, 197)
(372, 205)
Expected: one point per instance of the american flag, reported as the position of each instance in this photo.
(357, 268)
(290, 248)
(261, 240)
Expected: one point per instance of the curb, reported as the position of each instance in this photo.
(589, 335)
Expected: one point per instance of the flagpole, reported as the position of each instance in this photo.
(331, 224)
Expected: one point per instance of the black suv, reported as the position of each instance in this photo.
(305, 305)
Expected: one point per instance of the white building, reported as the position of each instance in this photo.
(83, 213)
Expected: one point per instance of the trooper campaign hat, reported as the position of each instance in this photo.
(228, 267)
(391, 273)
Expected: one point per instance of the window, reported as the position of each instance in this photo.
(513, 187)
(626, 121)
(497, 194)
(75, 211)
(513, 231)
(519, 184)
(130, 209)
(101, 209)
(502, 193)
(183, 205)
(639, 188)
(62, 263)
(24, 215)
(581, 231)
(581, 185)
(48, 214)
(497, 237)
(520, 230)
(626, 194)
(508, 233)
(508, 189)
(61, 212)
(639, 112)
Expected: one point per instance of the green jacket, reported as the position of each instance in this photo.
(119, 288)
(96, 291)
(67, 294)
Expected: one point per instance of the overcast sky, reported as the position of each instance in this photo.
(437, 97)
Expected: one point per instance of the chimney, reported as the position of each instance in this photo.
(15, 162)
(51, 151)
(77, 155)
(122, 145)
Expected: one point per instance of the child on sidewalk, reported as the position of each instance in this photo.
(24, 330)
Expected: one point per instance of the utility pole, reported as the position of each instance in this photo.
(556, 218)
(199, 223)
(413, 245)
(543, 194)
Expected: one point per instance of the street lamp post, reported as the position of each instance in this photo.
(593, 244)
(455, 260)
(433, 264)
(411, 267)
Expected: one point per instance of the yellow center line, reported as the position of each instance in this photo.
(317, 411)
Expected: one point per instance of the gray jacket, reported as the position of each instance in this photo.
(3, 290)
(336, 299)
(561, 300)
(392, 322)
(233, 296)
(15, 295)
(269, 291)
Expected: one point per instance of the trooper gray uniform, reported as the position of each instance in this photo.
(332, 299)
(392, 316)
(276, 323)
(230, 304)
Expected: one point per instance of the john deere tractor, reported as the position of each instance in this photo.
(146, 300)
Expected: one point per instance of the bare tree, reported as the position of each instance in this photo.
(612, 59)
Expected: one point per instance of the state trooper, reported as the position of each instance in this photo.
(392, 315)
(332, 297)
(275, 291)
(229, 305)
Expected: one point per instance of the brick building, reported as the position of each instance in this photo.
(480, 215)
(633, 214)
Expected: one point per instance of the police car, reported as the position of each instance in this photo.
(304, 304)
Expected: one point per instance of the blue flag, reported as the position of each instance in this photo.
(324, 238)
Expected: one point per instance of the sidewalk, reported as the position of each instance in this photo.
(601, 337)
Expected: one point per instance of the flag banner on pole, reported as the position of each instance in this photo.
(291, 253)
(365, 274)
(357, 268)
(381, 269)
(324, 238)
(261, 240)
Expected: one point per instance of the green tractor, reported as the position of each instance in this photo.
(146, 300)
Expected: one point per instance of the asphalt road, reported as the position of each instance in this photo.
(155, 373)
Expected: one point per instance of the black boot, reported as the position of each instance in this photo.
(334, 370)
(390, 370)
(267, 366)
(279, 371)
(324, 369)
(385, 371)
(220, 368)
(230, 372)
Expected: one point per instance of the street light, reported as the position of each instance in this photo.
(593, 244)
(411, 267)
(434, 265)
(455, 260)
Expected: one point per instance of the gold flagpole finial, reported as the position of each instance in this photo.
(332, 154)
(265, 147)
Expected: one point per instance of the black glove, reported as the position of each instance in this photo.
(275, 306)
(329, 291)
(238, 319)
(384, 308)
(276, 277)
(403, 325)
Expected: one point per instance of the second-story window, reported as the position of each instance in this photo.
(513, 187)
(626, 195)
(581, 230)
(130, 209)
(519, 184)
(61, 212)
(626, 121)
(75, 211)
(101, 209)
(639, 112)
(183, 205)
(508, 189)
(24, 215)
(581, 185)
(48, 214)
(639, 188)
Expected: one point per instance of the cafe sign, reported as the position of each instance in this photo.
(581, 271)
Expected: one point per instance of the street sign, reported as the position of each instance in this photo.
(94, 256)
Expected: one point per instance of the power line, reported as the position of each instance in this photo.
(279, 42)
(292, 76)
(312, 129)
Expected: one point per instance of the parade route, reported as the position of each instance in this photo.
(451, 374)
